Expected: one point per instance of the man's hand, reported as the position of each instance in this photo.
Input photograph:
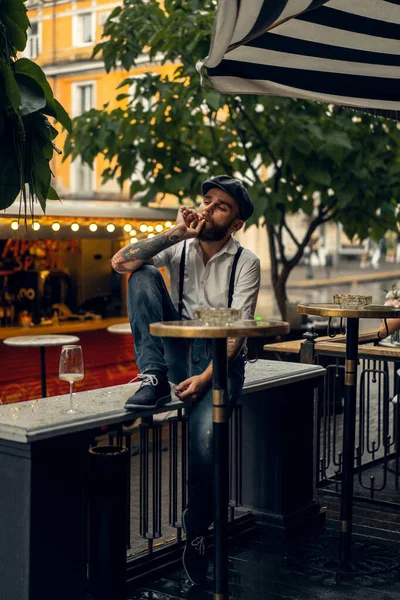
(189, 222)
(192, 389)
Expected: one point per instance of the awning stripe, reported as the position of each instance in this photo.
(333, 49)
(356, 86)
(256, 56)
(336, 19)
(280, 43)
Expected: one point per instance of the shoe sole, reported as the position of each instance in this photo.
(184, 551)
(159, 404)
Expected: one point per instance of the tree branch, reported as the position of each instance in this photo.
(272, 253)
(296, 258)
(331, 216)
(290, 232)
(324, 211)
(259, 136)
(281, 245)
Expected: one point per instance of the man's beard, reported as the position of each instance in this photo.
(214, 234)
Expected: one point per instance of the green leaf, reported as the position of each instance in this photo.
(319, 176)
(213, 99)
(16, 33)
(115, 13)
(52, 194)
(62, 116)
(339, 138)
(9, 178)
(26, 67)
(11, 86)
(32, 96)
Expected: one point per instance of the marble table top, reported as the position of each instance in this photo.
(120, 328)
(34, 420)
(41, 340)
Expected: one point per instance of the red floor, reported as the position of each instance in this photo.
(108, 361)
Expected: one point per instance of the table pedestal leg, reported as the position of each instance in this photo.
(349, 426)
(43, 370)
(221, 468)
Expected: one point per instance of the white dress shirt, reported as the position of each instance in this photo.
(208, 285)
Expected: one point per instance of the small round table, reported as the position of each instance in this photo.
(41, 341)
(219, 335)
(120, 328)
(353, 315)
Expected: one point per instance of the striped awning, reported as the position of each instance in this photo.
(339, 51)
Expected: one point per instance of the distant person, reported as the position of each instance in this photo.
(398, 248)
(390, 327)
(371, 254)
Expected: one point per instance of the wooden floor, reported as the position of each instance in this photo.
(261, 568)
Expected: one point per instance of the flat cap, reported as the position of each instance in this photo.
(235, 189)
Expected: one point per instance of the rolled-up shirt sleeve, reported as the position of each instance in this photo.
(163, 258)
(247, 286)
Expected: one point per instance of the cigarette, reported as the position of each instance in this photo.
(192, 224)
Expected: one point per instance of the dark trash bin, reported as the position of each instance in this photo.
(108, 492)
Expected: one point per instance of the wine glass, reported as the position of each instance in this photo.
(71, 369)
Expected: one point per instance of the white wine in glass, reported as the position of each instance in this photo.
(71, 369)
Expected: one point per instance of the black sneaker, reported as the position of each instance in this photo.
(154, 392)
(195, 559)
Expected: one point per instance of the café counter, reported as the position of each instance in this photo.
(62, 328)
(108, 359)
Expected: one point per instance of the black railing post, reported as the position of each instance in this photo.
(307, 348)
(349, 426)
(221, 468)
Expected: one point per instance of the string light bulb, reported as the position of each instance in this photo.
(168, 224)
(151, 235)
(110, 227)
(127, 227)
(75, 227)
(150, 228)
(56, 227)
(159, 228)
(134, 240)
(14, 225)
(143, 228)
(133, 232)
(35, 226)
(93, 227)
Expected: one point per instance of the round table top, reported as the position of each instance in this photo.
(120, 328)
(371, 311)
(197, 329)
(41, 340)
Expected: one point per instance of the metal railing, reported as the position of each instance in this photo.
(158, 483)
(376, 461)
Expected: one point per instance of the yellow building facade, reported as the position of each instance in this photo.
(61, 40)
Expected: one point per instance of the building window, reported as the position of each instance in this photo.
(32, 49)
(84, 29)
(83, 97)
(82, 178)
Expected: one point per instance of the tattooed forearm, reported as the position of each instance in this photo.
(124, 260)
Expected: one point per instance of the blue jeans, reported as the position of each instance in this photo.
(149, 302)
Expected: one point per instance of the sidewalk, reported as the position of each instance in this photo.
(348, 271)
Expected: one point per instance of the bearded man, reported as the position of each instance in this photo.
(208, 268)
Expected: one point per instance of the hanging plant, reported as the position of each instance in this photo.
(26, 103)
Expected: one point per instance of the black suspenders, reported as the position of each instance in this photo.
(233, 273)
(182, 275)
(181, 278)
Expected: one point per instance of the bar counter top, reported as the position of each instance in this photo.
(62, 328)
